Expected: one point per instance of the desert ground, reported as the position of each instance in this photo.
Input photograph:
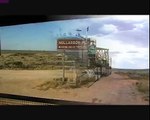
(116, 89)
(33, 73)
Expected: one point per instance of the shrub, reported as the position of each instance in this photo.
(143, 86)
(18, 63)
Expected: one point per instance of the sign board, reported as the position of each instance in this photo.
(71, 44)
(92, 50)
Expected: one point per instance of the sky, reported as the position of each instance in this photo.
(126, 37)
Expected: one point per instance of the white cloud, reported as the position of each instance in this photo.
(123, 59)
(129, 18)
(108, 28)
(131, 60)
(139, 26)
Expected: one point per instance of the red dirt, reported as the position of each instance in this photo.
(112, 90)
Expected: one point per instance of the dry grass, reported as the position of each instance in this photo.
(56, 83)
(29, 61)
(143, 80)
(143, 87)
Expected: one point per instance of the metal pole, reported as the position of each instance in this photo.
(75, 73)
(87, 47)
(0, 47)
(82, 51)
(63, 60)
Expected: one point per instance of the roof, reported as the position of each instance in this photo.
(101, 48)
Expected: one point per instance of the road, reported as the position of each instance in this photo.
(112, 90)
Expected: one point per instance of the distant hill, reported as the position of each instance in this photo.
(26, 51)
(130, 70)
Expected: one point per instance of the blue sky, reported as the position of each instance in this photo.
(126, 36)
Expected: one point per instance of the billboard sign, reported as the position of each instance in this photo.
(92, 50)
(71, 44)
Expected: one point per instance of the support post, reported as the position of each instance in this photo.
(63, 61)
(0, 47)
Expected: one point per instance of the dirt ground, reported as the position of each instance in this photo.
(112, 90)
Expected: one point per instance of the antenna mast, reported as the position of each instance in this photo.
(78, 30)
(60, 32)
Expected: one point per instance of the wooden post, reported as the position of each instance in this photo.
(75, 73)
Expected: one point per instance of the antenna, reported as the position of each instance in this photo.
(87, 32)
(70, 34)
(87, 29)
(64, 34)
(60, 30)
(78, 30)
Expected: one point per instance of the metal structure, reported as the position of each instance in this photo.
(98, 59)
(86, 54)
